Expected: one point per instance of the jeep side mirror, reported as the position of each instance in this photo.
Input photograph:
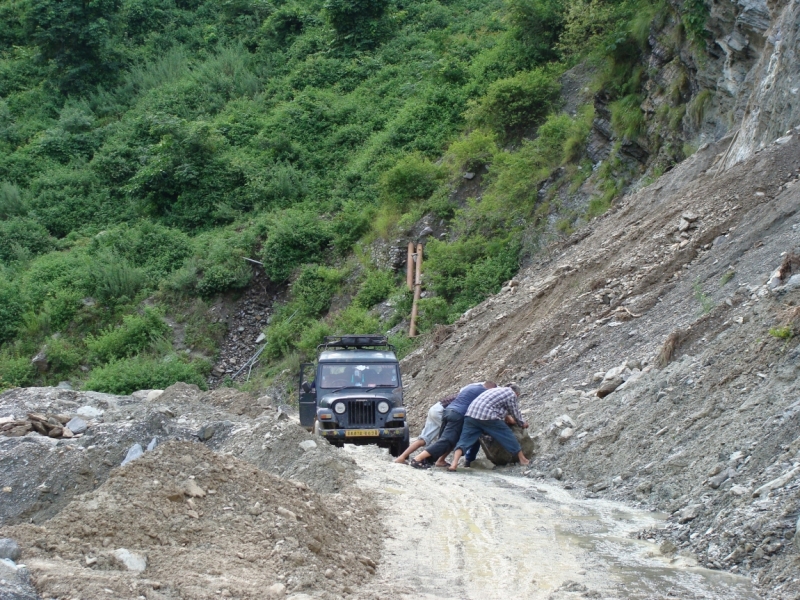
(306, 387)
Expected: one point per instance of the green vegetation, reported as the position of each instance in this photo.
(706, 302)
(146, 149)
(726, 277)
(782, 333)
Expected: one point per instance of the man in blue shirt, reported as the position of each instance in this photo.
(452, 422)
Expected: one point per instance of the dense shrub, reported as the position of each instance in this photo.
(411, 178)
(314, 289)
(358, 23)
(468, 271)
(143, 373)
(11, 310)
(156, 249)
(114, 280)
(16, 371)
(375, 288)
(522, 101)
(11, 202)
(294, 237)
(136, 334)
(62, 355)
(433, 311)
(21, 238)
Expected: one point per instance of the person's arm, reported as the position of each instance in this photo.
(513, 409)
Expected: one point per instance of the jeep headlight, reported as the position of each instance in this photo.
(339, 408)
(383, 407)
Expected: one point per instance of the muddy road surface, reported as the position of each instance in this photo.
(497, 534)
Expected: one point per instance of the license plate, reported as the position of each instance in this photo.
(361, 433)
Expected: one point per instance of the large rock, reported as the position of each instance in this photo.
(15, 582)
(9, 549)
(40, 361)
(499, 456)
(77, 425)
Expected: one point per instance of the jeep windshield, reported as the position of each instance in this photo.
(342, 376)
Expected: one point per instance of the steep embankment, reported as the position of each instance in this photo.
(676, 283)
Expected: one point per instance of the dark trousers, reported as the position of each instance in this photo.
(452, 422)
(502, 434)
(472, 452)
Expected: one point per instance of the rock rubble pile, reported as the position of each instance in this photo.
(177, 494)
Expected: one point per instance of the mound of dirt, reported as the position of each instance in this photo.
(192, 523)
(39, 475)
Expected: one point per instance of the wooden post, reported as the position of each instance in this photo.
(410, 266)
(412, 330)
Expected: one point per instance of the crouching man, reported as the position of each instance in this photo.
(487, 415)
(431, 430)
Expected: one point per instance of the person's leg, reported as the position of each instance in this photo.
(470, 432)
(412, 447)
(503, 435)
(451, 431)
(472, 453)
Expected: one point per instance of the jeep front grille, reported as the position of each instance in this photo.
(361, 412)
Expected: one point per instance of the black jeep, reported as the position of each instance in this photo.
(356, 395)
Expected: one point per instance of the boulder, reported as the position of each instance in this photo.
(608, 387)
(499, 455)
(9, 549)
(40, 361)
(77, 425)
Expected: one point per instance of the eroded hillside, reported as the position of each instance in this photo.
(679, 307)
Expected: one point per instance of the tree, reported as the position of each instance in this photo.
(537, 24)
(358, 23)
(77, 37)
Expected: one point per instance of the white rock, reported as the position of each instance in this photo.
(739, 490)
(153, 394)
(794, 281)
(89, 412)
(276, 590)
(134, 452)
(132, 562)
(308, 445)
(615, 372)
(285, 512)
(261, 337)
(566, 434)
(777, 483)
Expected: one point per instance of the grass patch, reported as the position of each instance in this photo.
(706, 302)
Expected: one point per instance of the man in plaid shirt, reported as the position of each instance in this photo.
(487, 414)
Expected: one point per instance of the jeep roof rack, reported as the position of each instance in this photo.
(355, 341)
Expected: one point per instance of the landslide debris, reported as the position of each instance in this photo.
(185, 522)
(221, 494)
(658, 356)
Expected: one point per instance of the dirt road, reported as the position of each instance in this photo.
(495, 534)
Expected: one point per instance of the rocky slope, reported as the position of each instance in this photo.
(644, 349)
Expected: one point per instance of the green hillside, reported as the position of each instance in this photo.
(146, 147)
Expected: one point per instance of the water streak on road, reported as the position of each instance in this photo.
(496, 535)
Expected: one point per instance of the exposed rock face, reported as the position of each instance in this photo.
(695, 91)
(773, 107)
